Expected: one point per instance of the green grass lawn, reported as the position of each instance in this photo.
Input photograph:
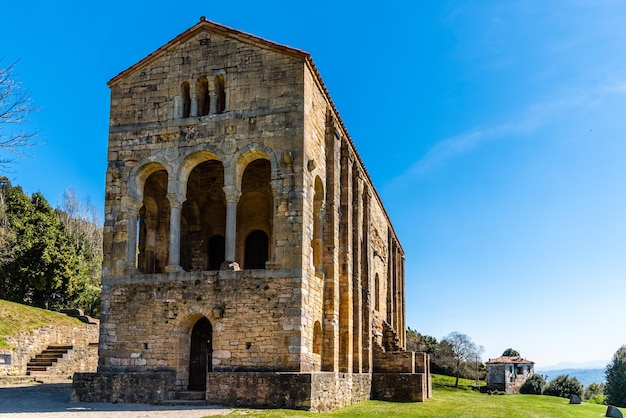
(449, 402)
(15, 318)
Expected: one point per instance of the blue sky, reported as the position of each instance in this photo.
(493, 130)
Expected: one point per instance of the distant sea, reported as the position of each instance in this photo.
(584, 376)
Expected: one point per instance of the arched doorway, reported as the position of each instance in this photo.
(201, 354)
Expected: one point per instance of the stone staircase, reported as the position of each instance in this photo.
(188, 398)
(391, 342)
(38, 366)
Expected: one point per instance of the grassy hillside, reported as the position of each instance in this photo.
(454, 403)
(15, 318)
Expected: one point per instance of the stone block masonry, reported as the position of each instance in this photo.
(256, 322)
(318, 392)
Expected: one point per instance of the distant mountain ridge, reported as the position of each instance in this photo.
(595, 364)
(584, 376)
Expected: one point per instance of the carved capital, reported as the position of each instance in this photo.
(232, 194)
(133, 205)
(176, 200)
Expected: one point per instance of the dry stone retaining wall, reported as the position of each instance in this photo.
(29, 344)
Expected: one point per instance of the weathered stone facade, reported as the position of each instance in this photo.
(242, 227)
(508, 373)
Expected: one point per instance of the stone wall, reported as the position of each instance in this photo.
(504, 377)
(394, 362)
(312, 391)
(255, 320)
(29, 344)
(400, 387)
(131, 387)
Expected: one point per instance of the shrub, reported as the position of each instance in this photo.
(593, 389)
(533, 385)
(564, 386)
(598, 399)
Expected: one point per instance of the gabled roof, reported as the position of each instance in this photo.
(255, 40)
(213, 27)
(509, 360)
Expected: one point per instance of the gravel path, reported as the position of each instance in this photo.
(53, 400)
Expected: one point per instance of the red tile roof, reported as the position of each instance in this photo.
(509, 360)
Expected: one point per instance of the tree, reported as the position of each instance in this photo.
(509, 352)
(533, 385)
(564, 386)
(15, 108)
(420, 343)
(42, 264)
(82, 224)
(615, 390)
(462, 349)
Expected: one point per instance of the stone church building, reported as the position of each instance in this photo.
(248, 257)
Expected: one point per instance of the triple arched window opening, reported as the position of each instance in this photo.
(203, 227)
(202, 98)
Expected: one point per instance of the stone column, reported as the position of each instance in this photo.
(213, 102)
(273, 261)
(194, 105)
(357, 290)
(176, 204)
(133, 214)
(178, 109)
(365, 283)
(232, 197)
(346, 308)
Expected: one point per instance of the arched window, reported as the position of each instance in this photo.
(255, 215)
(186, 99)
(204, 101)
(154, 223)
(220, 94)
(216, 251)
(203, 218)
(257, 244)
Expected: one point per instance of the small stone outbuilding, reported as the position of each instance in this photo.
(247, 254)
(508, 373)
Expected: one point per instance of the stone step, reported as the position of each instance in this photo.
(53, 379)
(30, 369)
(60, 347)
(190, 395)
(184, 402)
(56, 353)
(31, 365)
(40, 360)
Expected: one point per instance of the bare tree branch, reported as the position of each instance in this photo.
(15, 108)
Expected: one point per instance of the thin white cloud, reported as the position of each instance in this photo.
(527, 121)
